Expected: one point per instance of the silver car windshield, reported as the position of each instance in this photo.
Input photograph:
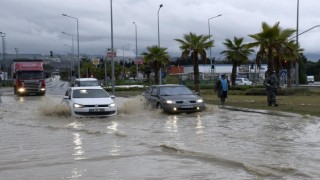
(171, 91)
(90, 93)
(89, 83)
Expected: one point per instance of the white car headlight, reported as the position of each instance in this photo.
(77, 105)
(169, 102)
(112, 105)
(199, 100)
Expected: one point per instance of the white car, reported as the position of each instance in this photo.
(243, 81)
(91, 101)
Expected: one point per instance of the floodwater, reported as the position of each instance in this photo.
(39, 140)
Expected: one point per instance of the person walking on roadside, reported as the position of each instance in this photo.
(222, 86)
(272, 85)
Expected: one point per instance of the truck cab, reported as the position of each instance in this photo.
(28, 77)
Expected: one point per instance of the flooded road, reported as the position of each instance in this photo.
(39, 140)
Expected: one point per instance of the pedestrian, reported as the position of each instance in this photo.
(272, 86)
(222, 86)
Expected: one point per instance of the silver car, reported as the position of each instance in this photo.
(243, 81)
(174, 98)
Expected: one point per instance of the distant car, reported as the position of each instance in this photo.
(243, 81)
(86, 82)
(174, 98)
(91, 101)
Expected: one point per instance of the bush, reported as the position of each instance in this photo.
(282, 91)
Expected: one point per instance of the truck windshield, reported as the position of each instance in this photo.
(30, 75)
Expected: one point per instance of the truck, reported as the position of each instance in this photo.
(28, 77)
(310, 79)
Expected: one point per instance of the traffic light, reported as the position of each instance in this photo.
(51, 53)
(285, 64)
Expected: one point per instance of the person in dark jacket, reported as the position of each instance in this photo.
(272, 85)
(222, 86)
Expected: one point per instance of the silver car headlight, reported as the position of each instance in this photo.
(112, 105)
(169, 102)
(199, 100)
(77, 105)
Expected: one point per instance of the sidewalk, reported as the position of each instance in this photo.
(5, 89)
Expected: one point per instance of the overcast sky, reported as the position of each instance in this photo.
(35, 26)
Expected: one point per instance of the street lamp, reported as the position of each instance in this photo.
(79, 73)
(123, 58)
(135, 25)
(297, 42)
(210, 40)
(17, 51)
(160, 79)
(112, 56)
(72, 50)
(3, 35)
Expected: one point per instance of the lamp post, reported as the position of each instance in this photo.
(123, 58)
(135, 25)
(297, 41)
(112, 56)
(72, 51)
(160, 79)
(3, 35)
(17, 52)
(79, 73)
(209, 41)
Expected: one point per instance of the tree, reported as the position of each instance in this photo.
(270, 42)
(156, 57)
(195, 46)
(237, 53)
(291, 52)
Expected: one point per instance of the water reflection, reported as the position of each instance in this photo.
(171, 124)
(78, 151)
(21, 99)
(76, 173)
(199, 126)
(115, 149)
(113, 126)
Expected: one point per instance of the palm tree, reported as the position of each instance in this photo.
(270, 42)
(156, 57)
(237, 53)
(291, 52)
(194, 46)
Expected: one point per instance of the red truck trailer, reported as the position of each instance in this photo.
(28, 77)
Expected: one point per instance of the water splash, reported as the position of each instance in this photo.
(132, 105)
(55, 110)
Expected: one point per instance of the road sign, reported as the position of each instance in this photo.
(95, 61)
(138, 61)
(111, 54)
(283, 73)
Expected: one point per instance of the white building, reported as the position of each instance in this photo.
(253, 73)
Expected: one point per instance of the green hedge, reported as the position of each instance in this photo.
(282, 91)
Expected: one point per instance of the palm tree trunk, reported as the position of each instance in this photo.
(156, 76)
(270, 62)
(196, 73)
(289, 78)
(234, 74)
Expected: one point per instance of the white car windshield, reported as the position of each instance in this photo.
(90, 93)
(171, 91)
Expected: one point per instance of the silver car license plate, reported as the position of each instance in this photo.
(187, 106)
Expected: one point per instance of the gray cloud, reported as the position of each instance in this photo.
(35, 26)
